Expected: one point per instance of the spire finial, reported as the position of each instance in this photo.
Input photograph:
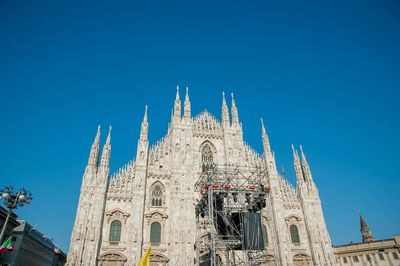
(97, 138)
(303, 156)
(235, 113)
(297, 167)
(109, 135)
(145, 125)
(265, 139)
(177, 105)
(95, 149)
(225, 113)
(187, 108)
(305, 167)
(105, 155)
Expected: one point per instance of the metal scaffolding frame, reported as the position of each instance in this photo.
(224, 191)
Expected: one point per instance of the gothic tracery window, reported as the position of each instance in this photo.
(207, 158)
(155, 233)
(294, 234)
(156, 196)
(115, 231)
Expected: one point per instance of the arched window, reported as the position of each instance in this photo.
(294, 234)
(265, 235)
(156, 196)
(207, 158)
(155, 233)
(115, 231)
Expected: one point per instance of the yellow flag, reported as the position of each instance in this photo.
(145, 260)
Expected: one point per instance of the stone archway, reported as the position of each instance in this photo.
(112, 259)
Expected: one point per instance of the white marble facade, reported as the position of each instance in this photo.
(151, 199)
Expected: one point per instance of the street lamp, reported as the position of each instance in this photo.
(13, 199)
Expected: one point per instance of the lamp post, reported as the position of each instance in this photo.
(13, 199)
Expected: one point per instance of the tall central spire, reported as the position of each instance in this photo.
(225, 112)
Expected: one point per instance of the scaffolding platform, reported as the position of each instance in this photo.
(228, 211)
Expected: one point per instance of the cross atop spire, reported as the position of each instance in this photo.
(187, 108)
(225, 113)
(235, 113)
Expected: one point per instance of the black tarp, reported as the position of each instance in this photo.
(252, 231)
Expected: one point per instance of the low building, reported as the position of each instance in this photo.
(12, 222)
(369, 252)
(33, 248)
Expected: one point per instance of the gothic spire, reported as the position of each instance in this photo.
(297, 167)
(177, 104)
(235, 113)
(105, 155)
(365, 231)
(265, 139)
(187, 107)
(305, 166)
(95, 149)
(225, 113)
(144, 130)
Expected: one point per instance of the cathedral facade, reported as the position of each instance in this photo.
(151, 200)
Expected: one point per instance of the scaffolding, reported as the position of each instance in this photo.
(227, 197)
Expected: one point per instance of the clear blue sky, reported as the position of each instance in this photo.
(324, 74)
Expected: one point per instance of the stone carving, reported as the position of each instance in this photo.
(112, 259)
(117, 214)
